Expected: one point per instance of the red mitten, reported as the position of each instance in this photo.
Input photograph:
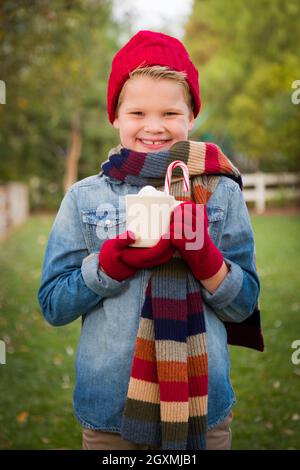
(110, 258)
(189, 233)
(144, 258)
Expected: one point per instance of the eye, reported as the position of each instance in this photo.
(137, 113)
(170, 113)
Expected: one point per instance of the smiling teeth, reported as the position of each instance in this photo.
(153, 142)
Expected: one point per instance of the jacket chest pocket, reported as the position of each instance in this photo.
(216, 221)
(102, 224)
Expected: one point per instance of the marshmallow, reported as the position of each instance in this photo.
(150, 191)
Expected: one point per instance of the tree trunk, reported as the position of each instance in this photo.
(73, 155)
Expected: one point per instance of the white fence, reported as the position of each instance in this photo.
(14, 206)
(260, 187)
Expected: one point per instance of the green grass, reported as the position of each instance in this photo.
(37, 381)
(267, 415)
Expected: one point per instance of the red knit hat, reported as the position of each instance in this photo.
(148, 48)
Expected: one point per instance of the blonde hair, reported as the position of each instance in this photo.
(159, 72)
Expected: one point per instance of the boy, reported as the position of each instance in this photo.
(147, 379)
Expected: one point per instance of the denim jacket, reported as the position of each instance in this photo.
(72, 286)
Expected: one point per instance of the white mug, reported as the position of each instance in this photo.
(148, 215)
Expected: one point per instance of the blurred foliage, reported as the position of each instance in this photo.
(248, 56)
(55, 59)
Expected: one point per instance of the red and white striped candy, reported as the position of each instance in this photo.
(185, 170)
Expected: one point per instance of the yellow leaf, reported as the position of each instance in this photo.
(22, 417)
(22, 103)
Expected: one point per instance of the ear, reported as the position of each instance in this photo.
(191, 121)
(116, 123)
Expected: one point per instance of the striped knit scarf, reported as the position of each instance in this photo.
(167, 396)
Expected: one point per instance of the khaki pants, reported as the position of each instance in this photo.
(218, 438)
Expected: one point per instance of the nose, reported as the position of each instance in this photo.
(153, 125)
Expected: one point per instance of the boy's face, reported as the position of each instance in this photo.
(153, 111)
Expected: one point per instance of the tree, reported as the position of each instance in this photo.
(248, 57)
(55, 59)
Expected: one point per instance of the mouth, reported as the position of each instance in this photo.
(154, 144)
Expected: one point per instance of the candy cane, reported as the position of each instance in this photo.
(185, 170)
